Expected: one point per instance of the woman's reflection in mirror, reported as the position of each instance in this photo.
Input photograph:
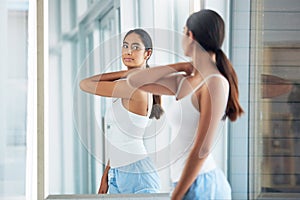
(129, 168)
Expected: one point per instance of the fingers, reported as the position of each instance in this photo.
(102, 191)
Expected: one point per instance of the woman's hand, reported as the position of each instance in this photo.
(104, 180)
(186, 67)
(104, 185)
(175, 195)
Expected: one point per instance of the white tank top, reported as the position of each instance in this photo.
(184, 118)
(124, 133)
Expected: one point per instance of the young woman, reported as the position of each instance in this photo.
(129, 169)
(207, 93)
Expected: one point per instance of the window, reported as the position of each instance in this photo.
(15, 81)
(275, 99)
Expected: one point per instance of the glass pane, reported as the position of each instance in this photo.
(13, 97)
(280, 118)
(275, 102)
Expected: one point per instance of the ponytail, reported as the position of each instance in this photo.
(157, 110)
(208, 29)
(233, 108)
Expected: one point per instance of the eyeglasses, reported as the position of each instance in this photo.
(133, 47)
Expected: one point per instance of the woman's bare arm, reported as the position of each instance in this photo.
(161, 80)
(108, 85)
(212, 103)
(110, 76)
(104, 180)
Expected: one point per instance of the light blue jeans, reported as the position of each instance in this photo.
(138, 177)
(212, 185)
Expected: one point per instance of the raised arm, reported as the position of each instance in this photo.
(110, 76)
(108, 85)
(161, 80)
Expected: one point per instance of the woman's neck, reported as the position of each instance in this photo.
(136, 67)
(204, 62)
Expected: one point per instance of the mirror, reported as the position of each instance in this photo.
(85, 39)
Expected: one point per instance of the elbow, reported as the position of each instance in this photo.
(201, 153)
(131, 81)
(82, 85)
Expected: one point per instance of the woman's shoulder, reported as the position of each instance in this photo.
(214, 82)
(215, 86)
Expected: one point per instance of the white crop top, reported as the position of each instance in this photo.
(184, 118)
(124, 133)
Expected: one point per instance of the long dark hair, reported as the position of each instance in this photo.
(157, 110)
(208, 29)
